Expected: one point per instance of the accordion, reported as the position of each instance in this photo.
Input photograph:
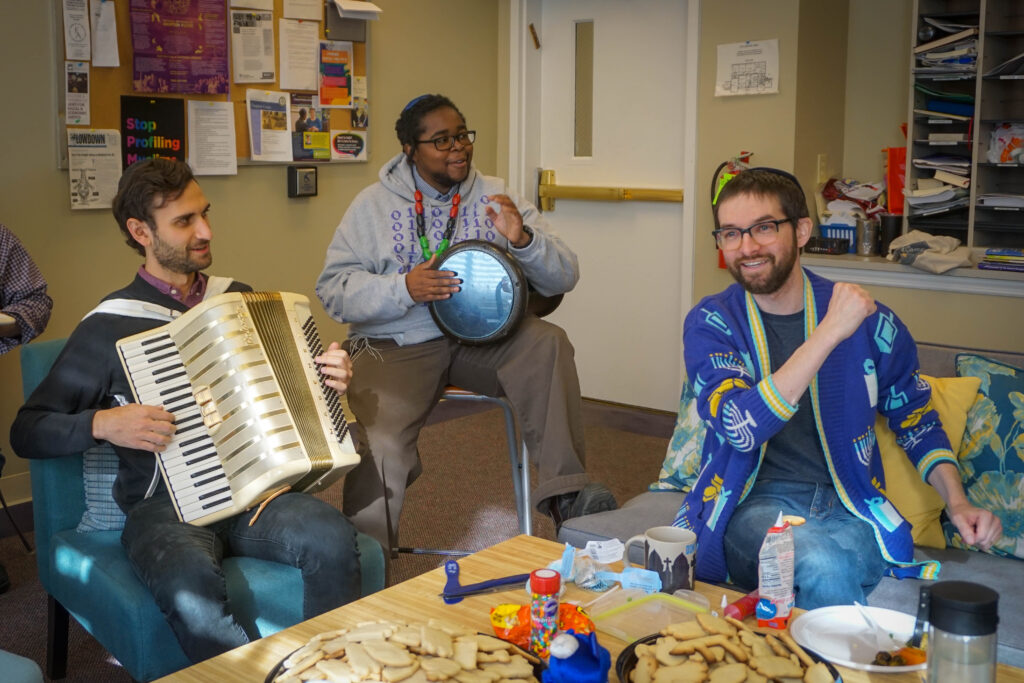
(251, 408)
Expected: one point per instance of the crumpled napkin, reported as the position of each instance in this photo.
(933, 253)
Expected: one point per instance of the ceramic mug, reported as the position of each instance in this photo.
(670, 551)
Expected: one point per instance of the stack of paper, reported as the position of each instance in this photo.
(1012, 67)
(997, 200)
(956, 53)
(953, 163)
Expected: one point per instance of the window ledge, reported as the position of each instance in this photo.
(875, 270)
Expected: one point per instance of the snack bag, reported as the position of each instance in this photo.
(512, 622)
(775, 576)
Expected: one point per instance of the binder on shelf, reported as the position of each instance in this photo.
(946, 40)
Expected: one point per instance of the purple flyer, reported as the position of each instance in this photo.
(180, 46)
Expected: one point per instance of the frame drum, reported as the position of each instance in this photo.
(493, 297)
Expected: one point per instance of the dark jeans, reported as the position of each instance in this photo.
(837, 557)
(181, 563)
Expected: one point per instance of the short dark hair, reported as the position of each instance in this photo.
(146, 185)
(409, 125)
(766, 182)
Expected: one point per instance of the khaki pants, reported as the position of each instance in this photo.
(394, 388)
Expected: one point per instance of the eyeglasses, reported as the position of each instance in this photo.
(764, 233)
(443, 143)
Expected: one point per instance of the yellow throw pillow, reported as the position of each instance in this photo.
(918, 502)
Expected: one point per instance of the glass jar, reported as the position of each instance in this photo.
(962, 639)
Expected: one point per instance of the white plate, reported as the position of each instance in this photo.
(840, 635)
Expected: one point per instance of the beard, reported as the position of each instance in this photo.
(181, 260)
(771, 282)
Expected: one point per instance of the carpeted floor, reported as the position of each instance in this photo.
(462, 501)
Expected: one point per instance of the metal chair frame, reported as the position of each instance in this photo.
(518, 457)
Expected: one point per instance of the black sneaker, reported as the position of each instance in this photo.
(588, 500)
(5, 581)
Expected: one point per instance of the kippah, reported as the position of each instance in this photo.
(413, 101)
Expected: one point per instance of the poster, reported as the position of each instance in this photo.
(348, 145)
(104, 33)
(300, 45)
(180, 47)
(252, 47)
(311, 128)
(76, 30)
(748, 68)
(335, 73)
(94, 167)
(76, 93)
(211, 138)
(270, 125)
(152, 127)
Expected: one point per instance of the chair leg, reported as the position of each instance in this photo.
(56, 639)
(525, 505)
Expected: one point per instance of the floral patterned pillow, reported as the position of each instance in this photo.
(682, 460)
(992, 453)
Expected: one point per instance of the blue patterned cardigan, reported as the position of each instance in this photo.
(874, 370)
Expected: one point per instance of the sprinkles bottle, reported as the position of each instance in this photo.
(544, 587)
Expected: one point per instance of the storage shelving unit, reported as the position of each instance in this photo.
(997, 99)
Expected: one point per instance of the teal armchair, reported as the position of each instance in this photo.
(87, 574)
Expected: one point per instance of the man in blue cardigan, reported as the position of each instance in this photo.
(789, 370)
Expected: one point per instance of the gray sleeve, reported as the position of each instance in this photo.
(349, 288)
(548, 262)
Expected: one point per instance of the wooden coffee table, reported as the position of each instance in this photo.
(417, 600)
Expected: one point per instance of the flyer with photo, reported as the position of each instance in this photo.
(311, 125)
(270, 125)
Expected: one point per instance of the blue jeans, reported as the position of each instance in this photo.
(837, 557)
(181, 563)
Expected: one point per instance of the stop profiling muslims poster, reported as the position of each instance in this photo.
(152, 127)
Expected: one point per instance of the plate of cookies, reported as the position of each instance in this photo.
(720, 651)
(406, 653)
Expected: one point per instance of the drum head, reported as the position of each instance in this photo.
(493, 297)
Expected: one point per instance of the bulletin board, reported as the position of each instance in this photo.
(108, 84)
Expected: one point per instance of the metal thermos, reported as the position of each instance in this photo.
(867, 236)
(962, 633)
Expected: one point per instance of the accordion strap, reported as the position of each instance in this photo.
(136, 308)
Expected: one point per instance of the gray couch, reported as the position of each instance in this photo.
(654, 508)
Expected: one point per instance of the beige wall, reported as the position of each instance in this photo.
(262, 237)
(877, 84)
(821, 89)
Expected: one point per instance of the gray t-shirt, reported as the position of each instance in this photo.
(795, 453)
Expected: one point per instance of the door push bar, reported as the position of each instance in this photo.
(548, 192)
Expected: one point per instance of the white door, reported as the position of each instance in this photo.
(625, 316)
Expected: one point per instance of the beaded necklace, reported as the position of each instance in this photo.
(421, 229)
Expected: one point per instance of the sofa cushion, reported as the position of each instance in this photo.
(682, 459)
(992, 455)
(918, 502)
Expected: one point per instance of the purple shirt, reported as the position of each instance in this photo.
(194, 295)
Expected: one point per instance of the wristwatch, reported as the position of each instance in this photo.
(529, 232)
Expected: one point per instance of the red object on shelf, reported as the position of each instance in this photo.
(895, 177)
(721, 259)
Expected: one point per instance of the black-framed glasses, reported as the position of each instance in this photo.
(443, 143)
(763, 232)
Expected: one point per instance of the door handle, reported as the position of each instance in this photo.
(548, 191)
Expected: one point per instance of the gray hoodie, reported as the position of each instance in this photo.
(375, 245)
